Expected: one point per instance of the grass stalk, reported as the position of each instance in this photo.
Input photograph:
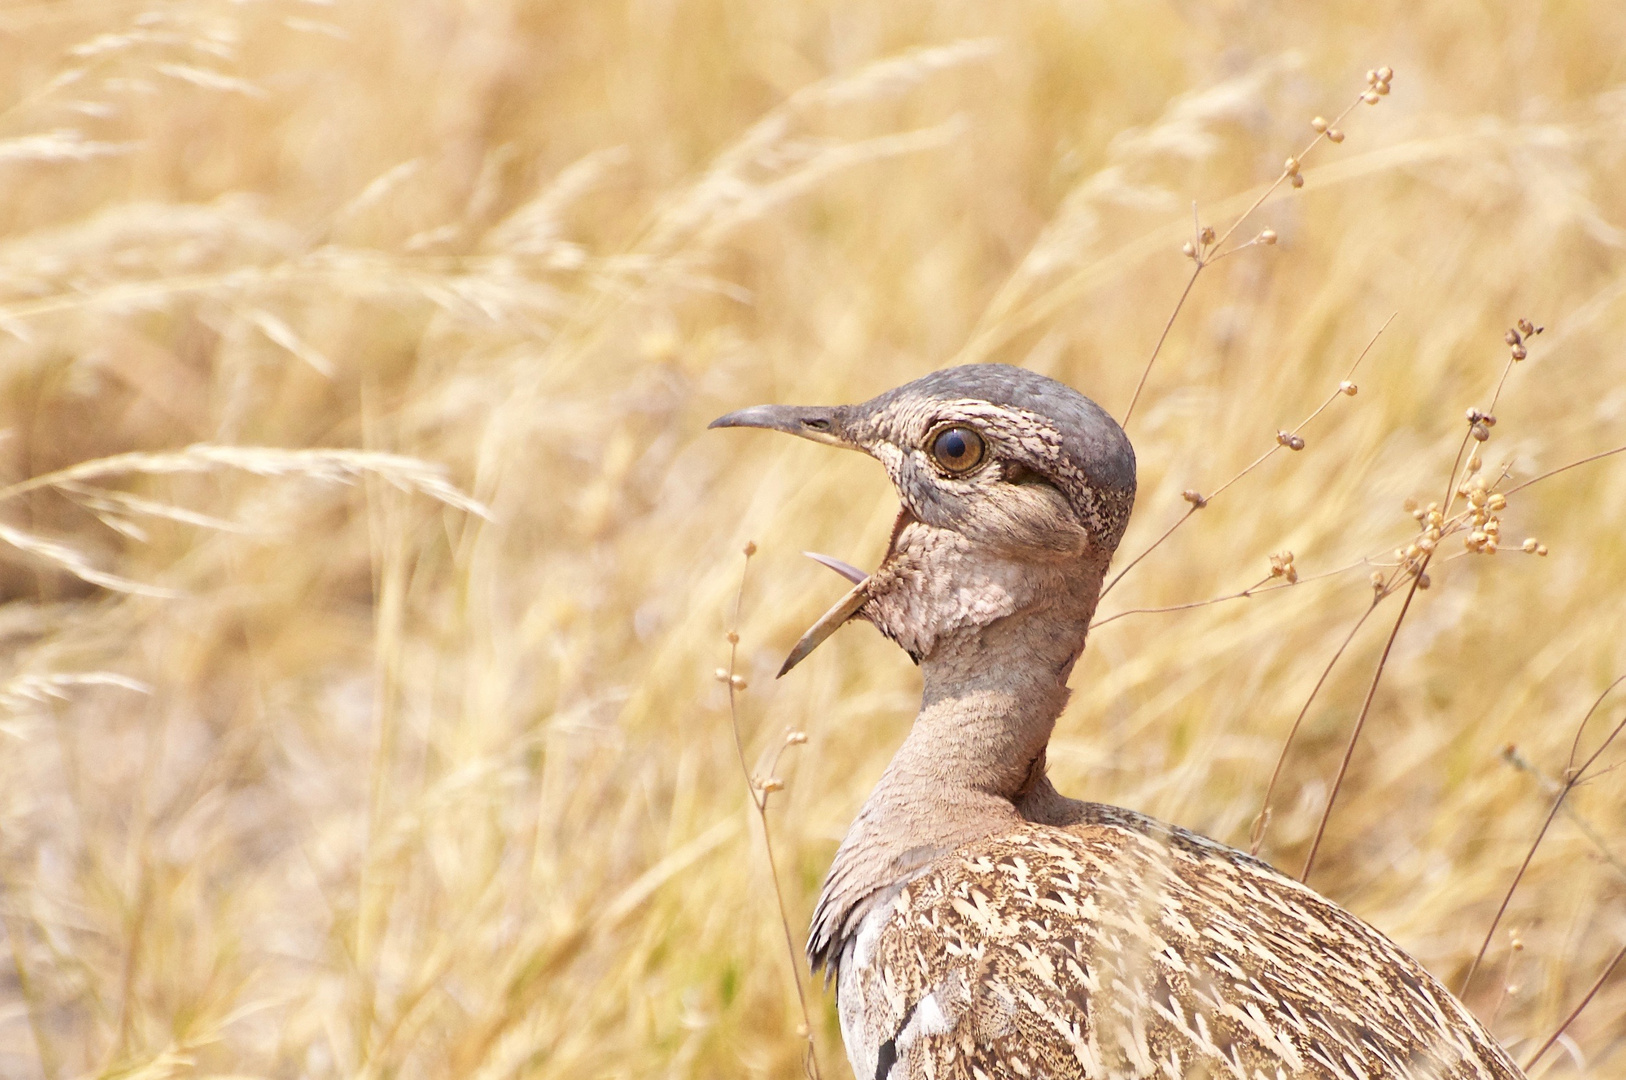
(759, 788)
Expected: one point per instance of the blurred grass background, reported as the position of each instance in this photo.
(342, 780)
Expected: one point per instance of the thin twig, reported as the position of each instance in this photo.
(1202, 501)
(1196, 272)
(1262, 822)
(1585, 1001)
(1418, 572)
(1360, 723)
(1256, 589)
(1119, 576)
(1572, 777)
(1203, 254)
(759, 790)
(1565, 468)
(1585, 827)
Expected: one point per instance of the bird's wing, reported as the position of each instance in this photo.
(1120, 948)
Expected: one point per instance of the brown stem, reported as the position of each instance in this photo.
(759, 800)
(1258, 461)
(1164, 336)
(1462, 990)
(1565, 468)
(1119, 576)
(1360, 723)
(1570, 1019)
(1262, 822)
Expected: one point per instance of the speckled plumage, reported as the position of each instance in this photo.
(981, 925)
(1120, 947)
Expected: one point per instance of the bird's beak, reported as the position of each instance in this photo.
(828, 623)
(822, 424)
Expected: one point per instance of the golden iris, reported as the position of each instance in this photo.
(958, 449)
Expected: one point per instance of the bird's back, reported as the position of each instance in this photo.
(1121, 947)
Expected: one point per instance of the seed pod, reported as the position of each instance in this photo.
(737, 682)
(1319, 124)
(1267, 236)
(1335, 135)
(1423, 581)
(1519, 352)
(1370, 97)
(750, 548)
(1384, 74)
(1207, 235)
(1529, 545)
(1297, 180)
(1348, 388)
(1382, 88)
(721, 675)
(1480, 432)
(1525, 327)
(1497, 501)
(1188, 249)
(1511, 337)
(1291, 165)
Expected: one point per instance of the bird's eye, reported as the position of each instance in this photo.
(957, 449)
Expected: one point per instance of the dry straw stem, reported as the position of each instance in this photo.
(759, 786)
(1198, 501)
(1204, 248)
(1580, 1007)
(1573, 776)
(1417, 573)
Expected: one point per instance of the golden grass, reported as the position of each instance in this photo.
(370, 786)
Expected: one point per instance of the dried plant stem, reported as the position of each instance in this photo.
(1360, 723)
(1572, 777)
(1585, 1001)
(1585, 827)
(1258, 588)
(1203, 254)
(1202, 501)
(1262, 822)
(759, 789)
(1566, 468)
(1153, 546)
(1262, 585)
(1196, 272)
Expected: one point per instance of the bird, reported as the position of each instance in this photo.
(979, 924)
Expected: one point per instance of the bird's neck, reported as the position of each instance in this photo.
(973, 763)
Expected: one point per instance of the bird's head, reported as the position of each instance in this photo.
(1015, 489)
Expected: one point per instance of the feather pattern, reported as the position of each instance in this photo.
(1121, 947)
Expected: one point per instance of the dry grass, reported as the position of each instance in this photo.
(308, 770)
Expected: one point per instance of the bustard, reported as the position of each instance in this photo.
(981, 924)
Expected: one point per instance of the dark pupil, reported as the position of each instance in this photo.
(953, 445)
